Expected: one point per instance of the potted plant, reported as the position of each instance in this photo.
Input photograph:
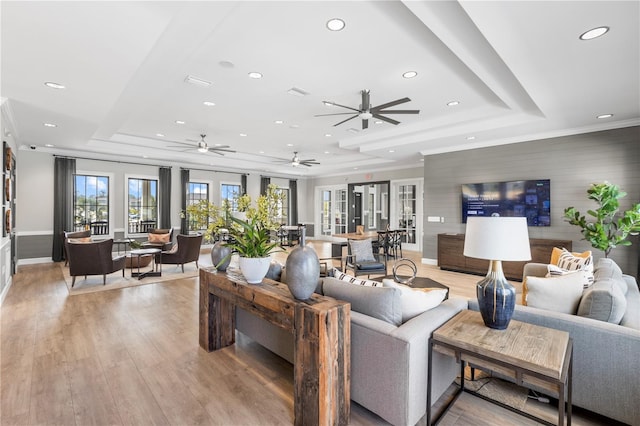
(608, 229)
(252, 238)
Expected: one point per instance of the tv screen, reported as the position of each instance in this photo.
(520, 198)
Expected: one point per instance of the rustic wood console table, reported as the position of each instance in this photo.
(322, 333)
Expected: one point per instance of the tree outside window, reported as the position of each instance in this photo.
(142, 205)
(283, 205)
(196, 192)
(230, 192)
(91, 204)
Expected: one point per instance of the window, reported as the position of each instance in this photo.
(230, 191)
(283, 207)
(142, 205)
(196, 192)
(91, 204)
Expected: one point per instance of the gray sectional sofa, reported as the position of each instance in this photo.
(388, 362)
(606, 369)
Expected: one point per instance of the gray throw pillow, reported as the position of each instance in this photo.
(383, 303)
(603, 301)
(362, 250)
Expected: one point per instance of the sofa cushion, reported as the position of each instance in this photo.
(607, 268)
(560, 294)
(378, 302)
(362, 250)
(570, 262)
(603, 301)
(415, 301)
(354, 280)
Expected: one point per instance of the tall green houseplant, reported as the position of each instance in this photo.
(609, 228)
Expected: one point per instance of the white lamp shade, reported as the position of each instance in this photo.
(497, 238)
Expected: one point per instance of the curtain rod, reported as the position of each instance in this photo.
(109, 161)
(214, 171)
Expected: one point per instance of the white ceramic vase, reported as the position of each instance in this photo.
(254, 269)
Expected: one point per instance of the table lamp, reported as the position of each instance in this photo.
(497, 239)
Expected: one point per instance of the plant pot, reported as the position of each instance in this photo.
(220, 256)
(254, 269)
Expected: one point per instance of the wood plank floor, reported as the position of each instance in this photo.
(131, 357)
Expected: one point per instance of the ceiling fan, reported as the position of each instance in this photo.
(366, 111)
(296, 161)
(203, 147)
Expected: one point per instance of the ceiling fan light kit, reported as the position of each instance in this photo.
(367, 112)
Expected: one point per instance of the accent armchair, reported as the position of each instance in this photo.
(93, 258)
(188, 250)
(82, 235)
(361, 260)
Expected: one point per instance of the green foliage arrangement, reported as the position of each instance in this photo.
(607, 230)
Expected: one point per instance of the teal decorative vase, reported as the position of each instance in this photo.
(302, 270)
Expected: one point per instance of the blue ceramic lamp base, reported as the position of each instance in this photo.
(496, 297)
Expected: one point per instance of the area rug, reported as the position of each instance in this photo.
(93, 283)
(497, 389)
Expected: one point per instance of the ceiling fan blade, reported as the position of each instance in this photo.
(336, 113)
(215, 152)
(365, 124)
(387, 119)
(344, 121)
(400, 111)
(366, 102)
(310, 161)
(217, 148)
(343, 106)
(389, 104)
(304, 164)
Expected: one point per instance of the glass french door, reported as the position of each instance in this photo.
(407, 212)
(332, 211)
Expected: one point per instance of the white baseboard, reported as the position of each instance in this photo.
(34, 260)
(427, 261)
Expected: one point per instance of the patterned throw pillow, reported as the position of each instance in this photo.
(556, 252)
(339, 275)
(159, 238)
(80, 240)
(362, 250)
(568, 262)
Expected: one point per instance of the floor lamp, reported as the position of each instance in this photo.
(497, 239)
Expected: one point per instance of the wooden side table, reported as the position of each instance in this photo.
(529, 354)
(322, 334)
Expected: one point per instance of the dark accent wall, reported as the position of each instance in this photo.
(571, 162)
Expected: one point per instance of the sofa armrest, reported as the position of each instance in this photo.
(400, 363)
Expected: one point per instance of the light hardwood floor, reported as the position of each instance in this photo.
(131, 357)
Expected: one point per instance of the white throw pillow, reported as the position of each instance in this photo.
(560, 294)
(353, 280)
(415, 301)
(569, 262)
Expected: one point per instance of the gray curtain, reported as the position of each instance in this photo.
(243, 184)
(293, 194)
(165, 197)
(184, 185)
(63, 177)
(264, 184)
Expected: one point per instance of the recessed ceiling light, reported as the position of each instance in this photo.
(392, 150)
(594, 33)
(326, 103)
(470, 138)
(197, 81)
(355, 168)
(217, 144)
(289, 144)
(278, 121)
(378, 122)
(160, 135)
(453, 103)
(209, 103)
(254, 74)
(410, 74)
(226, 64)
(335, 24)
(605, 116)
(294, 126)
(145, 156)
(243, 134)
(179, 122)
(49, 125)
(48, 145)
(327, 152)
(54, 85)
(296, 91)
(327, 135)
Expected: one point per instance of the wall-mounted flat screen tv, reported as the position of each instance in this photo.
(520, 198)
